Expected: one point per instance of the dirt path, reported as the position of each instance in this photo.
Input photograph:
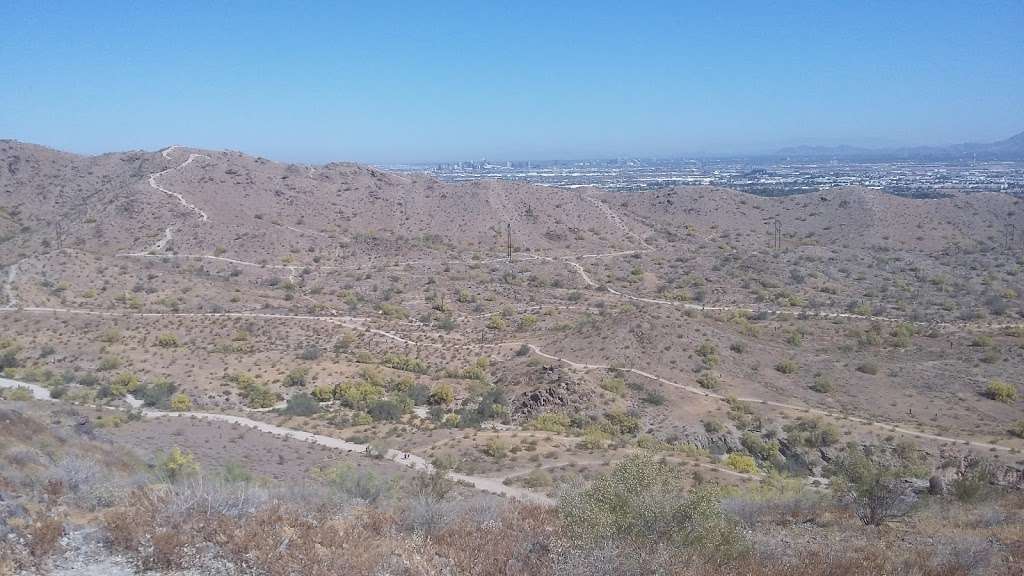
(12, 299)
(181, 199)
(783, 405)
(483, 483)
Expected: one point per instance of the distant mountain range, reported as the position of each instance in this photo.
(1009, 149)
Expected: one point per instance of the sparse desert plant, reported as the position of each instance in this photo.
(442, 395)
(167, 340)
(870, 368)
(812, 432)
(1001, 391)
(297, 376)
(181, 403)
(823, 384)
(177, 464)
(642, 509)
(708, 380)
(1018, 429)
(616, 386)
(108, 363)
(741, 463)
(496, 448)
(301, 404)
(550, 422)
(787, 367)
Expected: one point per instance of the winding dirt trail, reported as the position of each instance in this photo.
(12, 298)
(181, 199)
(407, 459)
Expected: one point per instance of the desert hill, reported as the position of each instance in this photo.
(254, 208)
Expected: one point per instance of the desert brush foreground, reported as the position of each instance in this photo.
(219, 364)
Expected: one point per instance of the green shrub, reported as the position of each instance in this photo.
(869, 368)
(812, 432)
(1001, 391)
(181, 403)
(178, 464)
(787, 367)
(708, 380)
(406, 363)
(550, 422)
(741, 463)
(108, 363)
(616, 386)
(442, 395)
(641, 508)
(167, 340)
(297, 376)
(301, 404)
(496, 448)
(823, 385)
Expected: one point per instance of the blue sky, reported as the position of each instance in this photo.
(412, 81)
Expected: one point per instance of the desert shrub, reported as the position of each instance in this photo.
(786, 367)
(654, 398)
(255, 394)
(496, 448)
(16, 394)
(108, 363)
(708, 353)
(550, 422)
(538, 479)
(496, 322)
(1001, 391)
(973, 483)
(181, 403)
(869, 367)
(121, 385)
(354, 482)
(619, 423)
(297, 376)
(442, 395)
(981, 341)
(594, 439)
(167, 340)
(776, 501)
(378, 448)
(1018, 429)
(301, 404)
(157, 392)
(708, 380)
(358, 395)
(871, 484)
(406, 363)
(310, 352)
(741, 463)
(761, 449)
(823, 384)
(615, 386)
(640, 506)
(177, 464)
(385, 410)
(812, 432)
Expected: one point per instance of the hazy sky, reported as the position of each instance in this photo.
(428, 81)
